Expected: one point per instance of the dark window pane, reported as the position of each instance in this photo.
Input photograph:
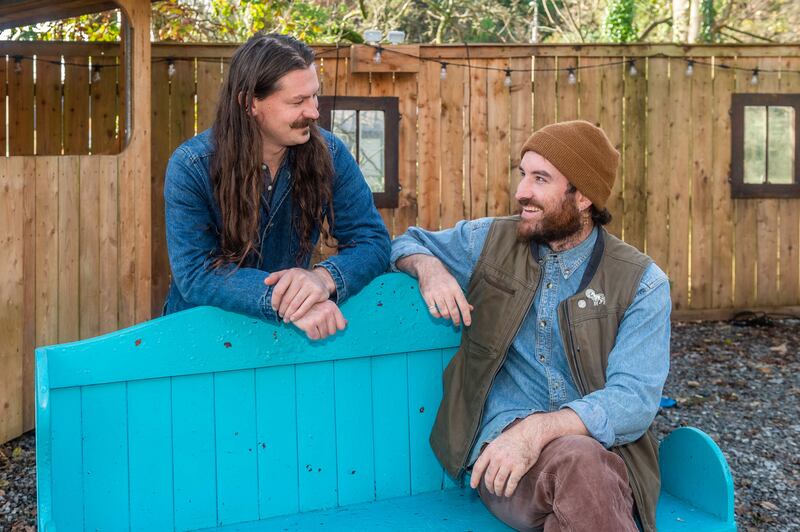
(781, 145)
(755, 144)
(372, 148)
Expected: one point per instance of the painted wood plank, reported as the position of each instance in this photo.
(104, 106)
(67, 458)
(477, 141)
(126, 261)
(567, 107)
(498, 142)
(446, 356)
(680, 187)
(160, 151)
(744, 219)
(391, 426)
(76, 108)
(429, 127)
(633, 157)
(405, 88)
(276, 412)
(788, 212)
(193, 452)
(105, 457)
(68, 248)
(424, 395)
(89, 246)
(660, 160)
(109, 249)
(316, 436)
(210, 72)
(20, 107)
(236, 444)
(355, 457)
(702, 261)
(46, 253)
(544, 92)
(521, 118)
(150, 454)
(28, 173)
(723, 235)
(48, 105)
(767, 221)
(612, 91)
(452, 145)
(12, 292)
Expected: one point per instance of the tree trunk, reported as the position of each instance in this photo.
(694, 21)
(680, 20)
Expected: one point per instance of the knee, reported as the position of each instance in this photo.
(587, 456)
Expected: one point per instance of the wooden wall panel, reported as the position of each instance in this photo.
(521, 119)
(500, 150)
(429, 128)
(477, 141)
(405, 88)
(633, 156)
(48, 105)
(76, 108)
(788, 211)
(20, 106)
(160, 152)
(68, 248)
(452, 145)
(612, 89)
(209, 82)
(104, 105)
(659, 162)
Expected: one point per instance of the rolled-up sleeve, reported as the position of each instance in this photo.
(191, 242)
(637, 368)
(363, 241)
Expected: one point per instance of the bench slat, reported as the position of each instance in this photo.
(390, 425)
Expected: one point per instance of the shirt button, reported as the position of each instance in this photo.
(543, 323)
(541, 358)
(566, 272)
(549, 285)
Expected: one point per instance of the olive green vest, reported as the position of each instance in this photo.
(501, 291)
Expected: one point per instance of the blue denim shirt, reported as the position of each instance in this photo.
(193, 220)
(536, 376)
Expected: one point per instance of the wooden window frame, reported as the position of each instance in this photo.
(388, 199)
(740, 189)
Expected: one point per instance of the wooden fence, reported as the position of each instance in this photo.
(459, 142)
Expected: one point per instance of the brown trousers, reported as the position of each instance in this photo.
(576, 485)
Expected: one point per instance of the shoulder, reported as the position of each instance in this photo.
(198, 148)
(623, 252)
(653, 278)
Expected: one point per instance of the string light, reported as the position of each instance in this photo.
(377, 57)
(443, 71)
(690, 67)
(507, 81)
(754, 77)
(17, 64)
(632, 68)
(171, 69)
(572, 79)
(96, 75)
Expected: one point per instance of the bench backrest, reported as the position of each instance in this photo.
(205, 418)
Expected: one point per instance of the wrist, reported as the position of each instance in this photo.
(327, 279)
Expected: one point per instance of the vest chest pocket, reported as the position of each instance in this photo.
(493, 301)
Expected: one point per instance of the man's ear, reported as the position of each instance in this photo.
(582, 201)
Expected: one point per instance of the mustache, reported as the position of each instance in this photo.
(302, 123)
(525, 202)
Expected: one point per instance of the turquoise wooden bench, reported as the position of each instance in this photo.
(208, 420)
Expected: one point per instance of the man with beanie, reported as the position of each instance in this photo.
(565, 347)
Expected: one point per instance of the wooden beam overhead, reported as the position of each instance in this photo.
(15, 13)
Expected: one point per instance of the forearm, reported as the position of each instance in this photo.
(419, 264)
(546, 427)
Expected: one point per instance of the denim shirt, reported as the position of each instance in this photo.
(536, 376)
(193, 220)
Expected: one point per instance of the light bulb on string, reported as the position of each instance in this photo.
(96, 75)
(632, 68)
(754, 77)
(572, 79)
(507, 81)
(690, 68)
(377, 57)
(171, 70)
(18, 64)
(443, 71)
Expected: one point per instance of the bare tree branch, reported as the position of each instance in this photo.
(653, 25)
(753, 35)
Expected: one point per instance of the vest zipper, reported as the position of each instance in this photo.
(476, 431)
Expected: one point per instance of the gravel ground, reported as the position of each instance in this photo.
(740, 384)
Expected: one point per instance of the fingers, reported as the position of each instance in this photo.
(297, 310)
(478, 469)
(279, 290)
(500, 480)
(341, 323)
(513, 481)
(464, 308)
(274, 277)
(489, 476)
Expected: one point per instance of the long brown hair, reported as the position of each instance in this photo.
(235, 167)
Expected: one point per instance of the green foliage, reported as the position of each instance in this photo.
(708, 14)
(618, 24)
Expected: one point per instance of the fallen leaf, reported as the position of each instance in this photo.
(693, 384)
(16, 453)
(768, 505)
(780, 349)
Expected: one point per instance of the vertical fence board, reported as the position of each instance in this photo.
(521, 111)
(789, 292)
(612, 91)
(104, 105)
(46, 251)
(405, 88)
(722, 235)
(679, 190)
(383, 85)
(544, 92)
(659, 162)
(477, 141)
(430, 128)
(126, 245)
(452, 145)
(3, 93)
(702, 263)
(89, 246)
(20, 106)
(567, 95)
(589, 83)
(76, 109)
(108, 235)
(633, 157)
(11, 297)
(159, 155)
(209, 83)
(499, 116)
(48, 105)
(28, 174)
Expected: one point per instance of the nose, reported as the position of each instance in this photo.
(312, 109)
(524, 190)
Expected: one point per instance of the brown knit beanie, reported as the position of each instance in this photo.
(582, 152)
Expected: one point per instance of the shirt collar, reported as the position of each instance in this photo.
(571, 259)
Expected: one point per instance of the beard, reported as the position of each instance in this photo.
(562, 222)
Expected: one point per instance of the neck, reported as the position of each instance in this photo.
(272, 157)
(573, 240)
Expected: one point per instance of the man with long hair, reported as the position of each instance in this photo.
(565, 350)
(248, 199)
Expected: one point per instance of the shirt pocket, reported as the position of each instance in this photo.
(491, 297)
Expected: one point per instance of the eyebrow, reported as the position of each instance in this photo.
(537, 172)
